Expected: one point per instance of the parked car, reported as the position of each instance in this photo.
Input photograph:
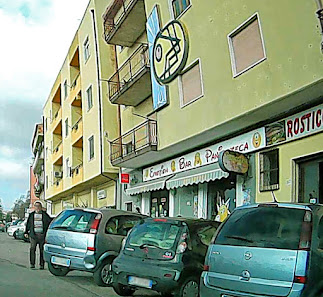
(20, 232)
(2, 227)
(13, 228)
(8, 224)
(270, 249)
(164, 255)
(87, 240)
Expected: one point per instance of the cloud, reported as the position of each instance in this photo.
(35, 39)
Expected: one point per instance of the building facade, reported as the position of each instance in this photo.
(196, 79)
(78, 120)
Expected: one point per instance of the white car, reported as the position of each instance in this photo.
(13, 228)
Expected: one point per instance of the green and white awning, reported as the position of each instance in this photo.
(154, 185)
(195, 176)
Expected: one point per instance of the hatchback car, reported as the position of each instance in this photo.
(87, 240)
(20, 232)
(13, 228)
(165, 255)
(270, 249)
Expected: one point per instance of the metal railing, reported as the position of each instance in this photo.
(74, 83)
(76, 125)
(56, 148)
(142, 136)
(128, 71)
(76, 170)
(115, 15)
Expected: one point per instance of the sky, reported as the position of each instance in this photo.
(35, 37)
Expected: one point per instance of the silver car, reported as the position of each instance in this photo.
(271, 249)
(87, 240)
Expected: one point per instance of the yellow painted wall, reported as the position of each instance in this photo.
(109, 200)
(288, 152)
(293, 61)
(57, 207)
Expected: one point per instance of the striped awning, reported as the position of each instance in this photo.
(195, 176)
(154, 185)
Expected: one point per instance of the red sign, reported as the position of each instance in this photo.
(125, 178)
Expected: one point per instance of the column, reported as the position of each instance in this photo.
(202, 201)
(93, 198)
(145, 203)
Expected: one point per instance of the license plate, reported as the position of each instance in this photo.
(61, 261)
(140, 282)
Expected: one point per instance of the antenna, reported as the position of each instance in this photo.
(274, 197)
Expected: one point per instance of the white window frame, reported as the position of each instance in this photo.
(65, 89)
(89, 147)
(67, 166)
(274, 187)
(170, 6)
(180, 83)
(87, 97)
(86, 49)
(233, 33)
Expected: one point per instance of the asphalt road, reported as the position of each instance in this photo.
(18, 280)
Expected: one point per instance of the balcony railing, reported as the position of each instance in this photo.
(131, 83)
(39, 159)
(57, 147)
(137, 141)
(77, 130)
(124, 22)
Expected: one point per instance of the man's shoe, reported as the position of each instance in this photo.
(32, 266)
(41, 267)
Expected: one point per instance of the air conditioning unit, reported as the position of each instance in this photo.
(58, 174)
(102, 194)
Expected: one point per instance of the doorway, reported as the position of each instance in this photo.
(159, 204)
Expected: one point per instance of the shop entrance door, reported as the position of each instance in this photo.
(159, 204)
(311, 180)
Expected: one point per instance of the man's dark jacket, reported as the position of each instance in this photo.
(30, 223)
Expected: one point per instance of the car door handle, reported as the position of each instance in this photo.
(216, 253)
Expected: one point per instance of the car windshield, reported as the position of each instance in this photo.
(263, 227)
(74, 220)
(154, 234)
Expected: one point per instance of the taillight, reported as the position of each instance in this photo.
(95, 224)
(89, 248)
(206, 267)
(300, 279)
(306, 232)
(181, 247)
(160, 220)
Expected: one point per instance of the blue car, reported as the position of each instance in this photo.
(270, 249)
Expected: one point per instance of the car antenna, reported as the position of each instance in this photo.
(274, 197)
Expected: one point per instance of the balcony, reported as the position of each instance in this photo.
(77, 174)
(130, 149)
(57, 118)
(58, 153)
(124, 22)
(39, 160)
(57, 187)
(75, 91)
(131, 84)
(77, 130)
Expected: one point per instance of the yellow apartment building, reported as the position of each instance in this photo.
(78, 119)
(196, 78)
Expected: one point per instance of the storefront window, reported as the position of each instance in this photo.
(159, 204)
(186, 201)
(269, 171)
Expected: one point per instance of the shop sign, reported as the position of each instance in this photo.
(159, 92)
(125, 178)
(244, 143)
(101, 194)
(299, 125)
(170, 52)
(231, 161)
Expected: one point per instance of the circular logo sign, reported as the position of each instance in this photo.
(170, 52)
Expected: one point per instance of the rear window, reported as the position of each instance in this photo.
(266, 227)
(121, 225)
(74, 220)
(161, 235)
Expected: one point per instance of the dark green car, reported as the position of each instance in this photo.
(164, 255)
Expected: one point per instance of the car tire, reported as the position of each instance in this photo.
(122, 290)
(166, 294)
(57, 270)
(103, 275)
(14, 235)
(189, 287)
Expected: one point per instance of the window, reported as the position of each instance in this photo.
(191, 85)
(179, 6)
(65, 89)
(45, 124)
(86, 49)
(46, 153)
(66, 127)
(46, 181)
(121, 225)
(269, 170)
(246, 46)
(129, 206)
(67, 167)
(89, 98)
(91, 147)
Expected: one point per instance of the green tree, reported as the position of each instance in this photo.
(20, 206)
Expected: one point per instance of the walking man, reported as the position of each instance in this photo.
(36, 228)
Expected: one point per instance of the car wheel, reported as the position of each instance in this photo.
(166, 294)
(15, 235)
(122, 290)
(103, 275)
(189, 287)
(57, 270)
